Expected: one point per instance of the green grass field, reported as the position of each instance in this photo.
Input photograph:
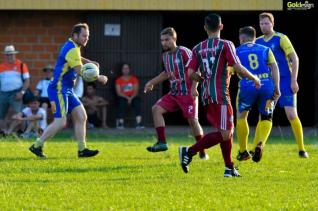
(124, 176)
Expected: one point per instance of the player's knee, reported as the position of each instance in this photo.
(193, 122)
(82, 117)
(155, 109)
(268, 117)
(226, 135)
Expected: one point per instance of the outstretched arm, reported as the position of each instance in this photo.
(156, 80)
(242, 71)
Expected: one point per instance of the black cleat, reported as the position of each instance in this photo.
(303, 154)
(87, 153)
(158, 147)
(258, 152)
(231, 172)
(2, 134)
(37, 151)
(185, 159)
(251, 153)
(241, 156)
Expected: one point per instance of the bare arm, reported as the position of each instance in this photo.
(156, 80)
(245, 73)
(84, 61)
(293, 58)
(275, 75)
(119, 93)
(136, 88)
(33, 117)
(196, 78)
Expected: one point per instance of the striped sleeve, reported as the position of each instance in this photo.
(186, 54)
(193, 62)
(230, 54)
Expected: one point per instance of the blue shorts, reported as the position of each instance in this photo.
(247, 96)
(287, 98)
(62, 103)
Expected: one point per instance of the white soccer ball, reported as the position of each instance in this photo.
(90, 72)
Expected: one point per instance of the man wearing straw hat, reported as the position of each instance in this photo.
(14, 81)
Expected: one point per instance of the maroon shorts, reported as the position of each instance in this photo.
(220, 116)
(186, 103)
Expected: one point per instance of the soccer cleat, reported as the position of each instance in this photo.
(203, 156)
(158, 147)
(258, 152)
(2, 134)
(185, 159)
(241, 156)
(303, 154)
(231, 172)
(87, 153)
(37, 151)
(252, 153)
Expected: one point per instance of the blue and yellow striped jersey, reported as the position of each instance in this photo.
(256, 58)
(64, 74)
(281, 47)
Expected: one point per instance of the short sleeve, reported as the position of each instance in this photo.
(230, 54)
(193, 61)
(73, 57)
(25, 71)
(39, 86)
(271, 57)
(186, 55)
(286, 45)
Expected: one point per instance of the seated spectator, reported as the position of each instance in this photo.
(95, 106)
(41, 87)
(32, 118)
(127, 87)
(14, 82)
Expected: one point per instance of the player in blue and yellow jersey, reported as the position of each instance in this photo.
(260, 61)
(61, 94)
(288, 62)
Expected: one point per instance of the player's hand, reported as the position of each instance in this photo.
(18, 96)
(196, 77)
(257, 82)
(294, 86)
(102, 79)
(148, 87)
(276, 93)
(129, 100)
(194, 92)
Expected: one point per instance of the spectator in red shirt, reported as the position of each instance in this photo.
(127, 87)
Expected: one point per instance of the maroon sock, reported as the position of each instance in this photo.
(226, 147)
(206, 142)
(161, 134)
(198, 138)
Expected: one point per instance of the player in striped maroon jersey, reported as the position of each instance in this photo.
(211, 58)
(175, 59)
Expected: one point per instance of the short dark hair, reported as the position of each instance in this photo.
(92, 84)
(268, 15)
(77, 28)
(212, 22)
(123, 64)
(32, 99)
(249, 31)
(169, 31)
